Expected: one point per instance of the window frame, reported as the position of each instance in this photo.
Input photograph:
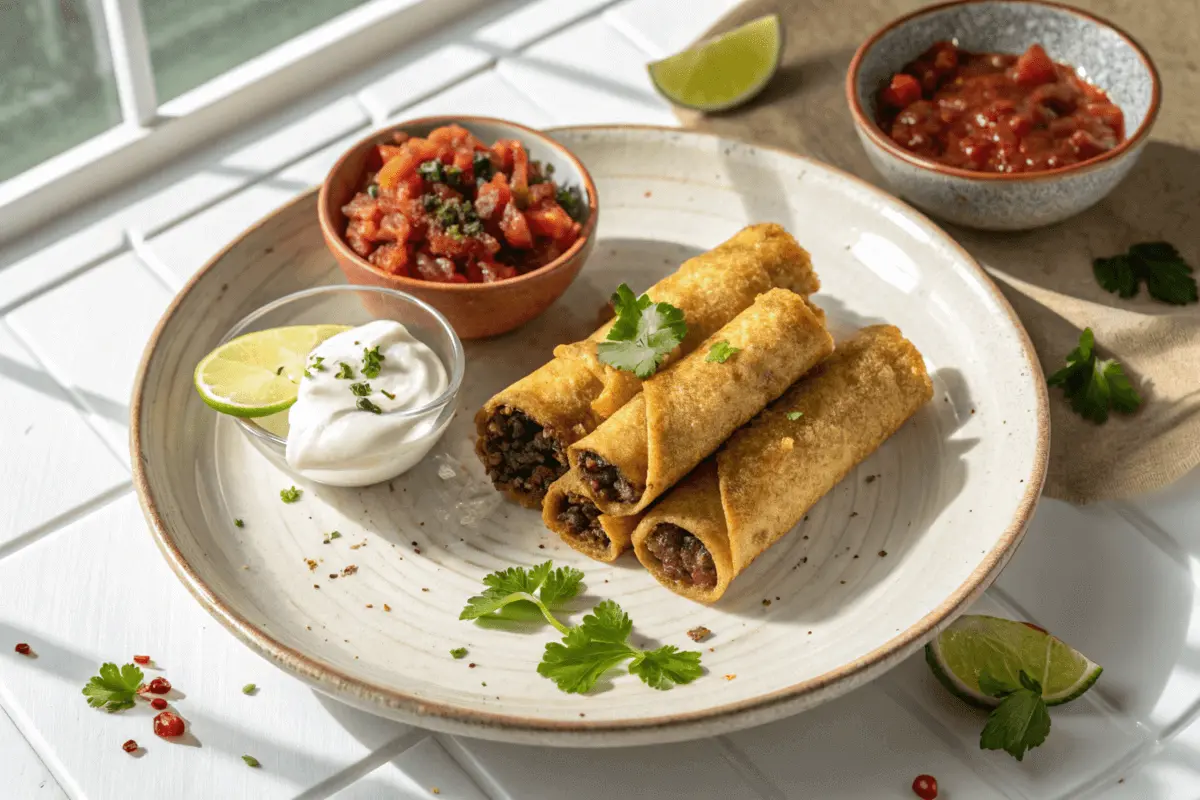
(151, 135)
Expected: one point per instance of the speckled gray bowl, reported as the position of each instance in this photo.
(1104, 55)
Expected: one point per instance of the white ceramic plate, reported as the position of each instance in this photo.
(955, 490)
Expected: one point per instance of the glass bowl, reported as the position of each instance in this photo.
(354, 306)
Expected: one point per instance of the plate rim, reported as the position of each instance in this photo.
(775, 704)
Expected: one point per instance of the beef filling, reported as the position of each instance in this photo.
(582, 519)
(683, 557)
(606, 481)
(520, 454)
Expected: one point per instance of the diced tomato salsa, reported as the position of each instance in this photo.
(991, 112)
(448, 208)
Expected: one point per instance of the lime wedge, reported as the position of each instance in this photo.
(975, 644)
(258, 374)
(723, 72)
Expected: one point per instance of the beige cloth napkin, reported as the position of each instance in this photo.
(1046, 274)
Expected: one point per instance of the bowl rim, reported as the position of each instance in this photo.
(336, 242)
(867, 126)
(456, 370)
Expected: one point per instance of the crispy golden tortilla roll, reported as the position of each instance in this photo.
(574, 517)
(524, 430)
(684, 413)
(711, 526)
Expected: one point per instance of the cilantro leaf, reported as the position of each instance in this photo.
(1167, 276)
(600, 643)
(1021, 722)
(364, 404)
(578, 662)
(344, 371)
(721, 351)
(459, 652)
(113, 689)
(372, 362)
(561, 585)
(666, 666)
(794, 415)
(642, 335)
(1094, 385)
(361, 389)
(994, 686)
(517, 584)
(290, 495)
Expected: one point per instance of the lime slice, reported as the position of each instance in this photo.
(723, 72)
(975, 644)
(258, 374)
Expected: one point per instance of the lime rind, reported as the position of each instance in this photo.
(723, 72)
(1004, 648)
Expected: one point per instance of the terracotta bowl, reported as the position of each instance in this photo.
(1103, 53)
(476, 310)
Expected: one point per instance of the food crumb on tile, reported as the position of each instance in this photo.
(699, 633)
(730, 677)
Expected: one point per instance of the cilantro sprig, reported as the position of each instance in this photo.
(1167, 276)
(372, 362)
(600, 643)
(114, 688)
(643, 333)
(1095, 385)
(1021, 721)
(721, 351)
(542, 586)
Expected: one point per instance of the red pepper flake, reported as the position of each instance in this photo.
(699, 634)
(417, 550)
(160, 686)
(350, 570)
(471, 665)
(925, 787)
(158, 704)
(23, 648)
(141, 659)
(129, 746)
(168, 725)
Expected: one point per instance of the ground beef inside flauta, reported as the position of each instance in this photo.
(582, 519)
(606, 481)
(683, 557)
(520, 454)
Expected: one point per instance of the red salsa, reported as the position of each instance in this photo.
(992, 112)
(451, 209)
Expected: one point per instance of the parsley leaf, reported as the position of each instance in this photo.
(993, 686)
(721, 351)
(642, 335)
(113, 689)
(1168, 277)
(794, 415)
(600, 643)
(249, 688)
(238, 523)
(344, 371)
(571, 200)
(517, 584)
(360, 389)
(1021, 721)
(372, 362)
(290, 495)
(459, 652)
(1095, 385)
(251, 761)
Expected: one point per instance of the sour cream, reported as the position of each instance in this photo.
(335, 435)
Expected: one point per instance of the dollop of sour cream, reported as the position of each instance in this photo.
(335, 434)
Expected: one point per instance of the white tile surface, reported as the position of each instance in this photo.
(23, 774)
(532, 773)
(529, 20)
(91, 332)
(124, 600)
(659, 28)
(486, 94)
(50, 461)
(424, 771)
(589, 73)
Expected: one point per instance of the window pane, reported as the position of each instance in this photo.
(56, 81)
(192, 42)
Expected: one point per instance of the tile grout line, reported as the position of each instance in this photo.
(470, 769)
(344, 778)
(87, 266)
(1154, 533)
(81, 406)
(65, 519)
(632, 34)
(41, 748)
(987, 774)
(747, 770)
(149, 260)
(4, 713)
